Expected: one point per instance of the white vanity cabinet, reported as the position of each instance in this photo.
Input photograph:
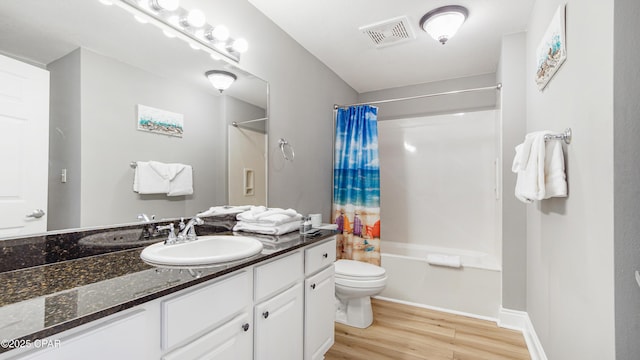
(319, 300)
(212, 321)
(282, 308)
(121, 336)
(278, 313)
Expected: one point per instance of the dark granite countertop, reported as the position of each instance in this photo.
(62, 292)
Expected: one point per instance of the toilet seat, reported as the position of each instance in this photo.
(359, 274)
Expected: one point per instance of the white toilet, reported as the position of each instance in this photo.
(356, 282)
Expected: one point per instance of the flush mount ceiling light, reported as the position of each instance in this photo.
(220, 79)
(442, 23)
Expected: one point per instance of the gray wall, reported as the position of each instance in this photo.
(110, 141)
(512, 102)
(64, 142)
(303, 91)
(570, 277)
(240, 111)
(626, 93)
(435, 105)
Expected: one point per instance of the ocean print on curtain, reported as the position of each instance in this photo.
(356, 184)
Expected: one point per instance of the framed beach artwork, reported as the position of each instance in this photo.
(160, 121)
(552, 50)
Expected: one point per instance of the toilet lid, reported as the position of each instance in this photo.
(358, 269)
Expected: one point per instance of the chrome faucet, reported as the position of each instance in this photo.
(171, 239)
(188, 232)
(148, 230)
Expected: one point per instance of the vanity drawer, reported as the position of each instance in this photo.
(319, 256)
(192, 313)
(277, 275)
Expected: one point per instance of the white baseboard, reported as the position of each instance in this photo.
(519, 320)
(445, 310)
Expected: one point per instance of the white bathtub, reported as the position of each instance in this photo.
(472, 289)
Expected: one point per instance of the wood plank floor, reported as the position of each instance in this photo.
(402, 332)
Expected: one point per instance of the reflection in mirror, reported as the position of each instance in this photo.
(102, 64)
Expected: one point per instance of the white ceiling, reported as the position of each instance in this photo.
(329, 30)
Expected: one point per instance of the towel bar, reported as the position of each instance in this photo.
(566, 136)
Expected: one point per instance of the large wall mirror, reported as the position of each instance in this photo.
(103, 64)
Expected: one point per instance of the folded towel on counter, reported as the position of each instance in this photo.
(267, 230)
(147, 180)
(540, 168)
(269, 216)
(227, 209)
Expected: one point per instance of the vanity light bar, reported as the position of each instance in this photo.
(178, 21)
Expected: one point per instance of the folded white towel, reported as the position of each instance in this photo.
(269, 217)
(182, 182)
(540, 168)
(146, 180)
(219, 210)
(267, 230)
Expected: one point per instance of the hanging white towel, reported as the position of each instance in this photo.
(555, 180)
(182, 182)
(147, 180)
(540, 168)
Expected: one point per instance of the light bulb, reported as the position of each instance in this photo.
(196, 18)
(219, 33)
(240, 45)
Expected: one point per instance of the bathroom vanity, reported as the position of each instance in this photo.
(278, 304)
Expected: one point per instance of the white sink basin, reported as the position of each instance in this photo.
(206, 250)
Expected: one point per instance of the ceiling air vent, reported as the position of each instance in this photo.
(389, 32)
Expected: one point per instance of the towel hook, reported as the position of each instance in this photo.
(287, 149)
(566, 136)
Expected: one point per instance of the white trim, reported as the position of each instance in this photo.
(533, 342)
(455, 312)
(512, 319)
(520, 321)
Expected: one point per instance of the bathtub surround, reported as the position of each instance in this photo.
(438, 198)
(356, 184)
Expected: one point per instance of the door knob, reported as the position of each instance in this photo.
(265, 314)
(37, 213)
(325, 255)
(245, 326)
(313, 286)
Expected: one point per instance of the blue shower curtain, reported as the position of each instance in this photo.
(356, 184)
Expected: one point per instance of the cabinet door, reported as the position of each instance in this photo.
(319, 314)
(278, 326)
(230, 341)
(126, 336)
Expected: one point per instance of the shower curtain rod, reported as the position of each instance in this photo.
(494, 87)
(248, 121)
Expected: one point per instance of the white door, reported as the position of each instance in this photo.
(24, 147)
(278, 322)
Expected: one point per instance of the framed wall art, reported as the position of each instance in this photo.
(552, 50)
